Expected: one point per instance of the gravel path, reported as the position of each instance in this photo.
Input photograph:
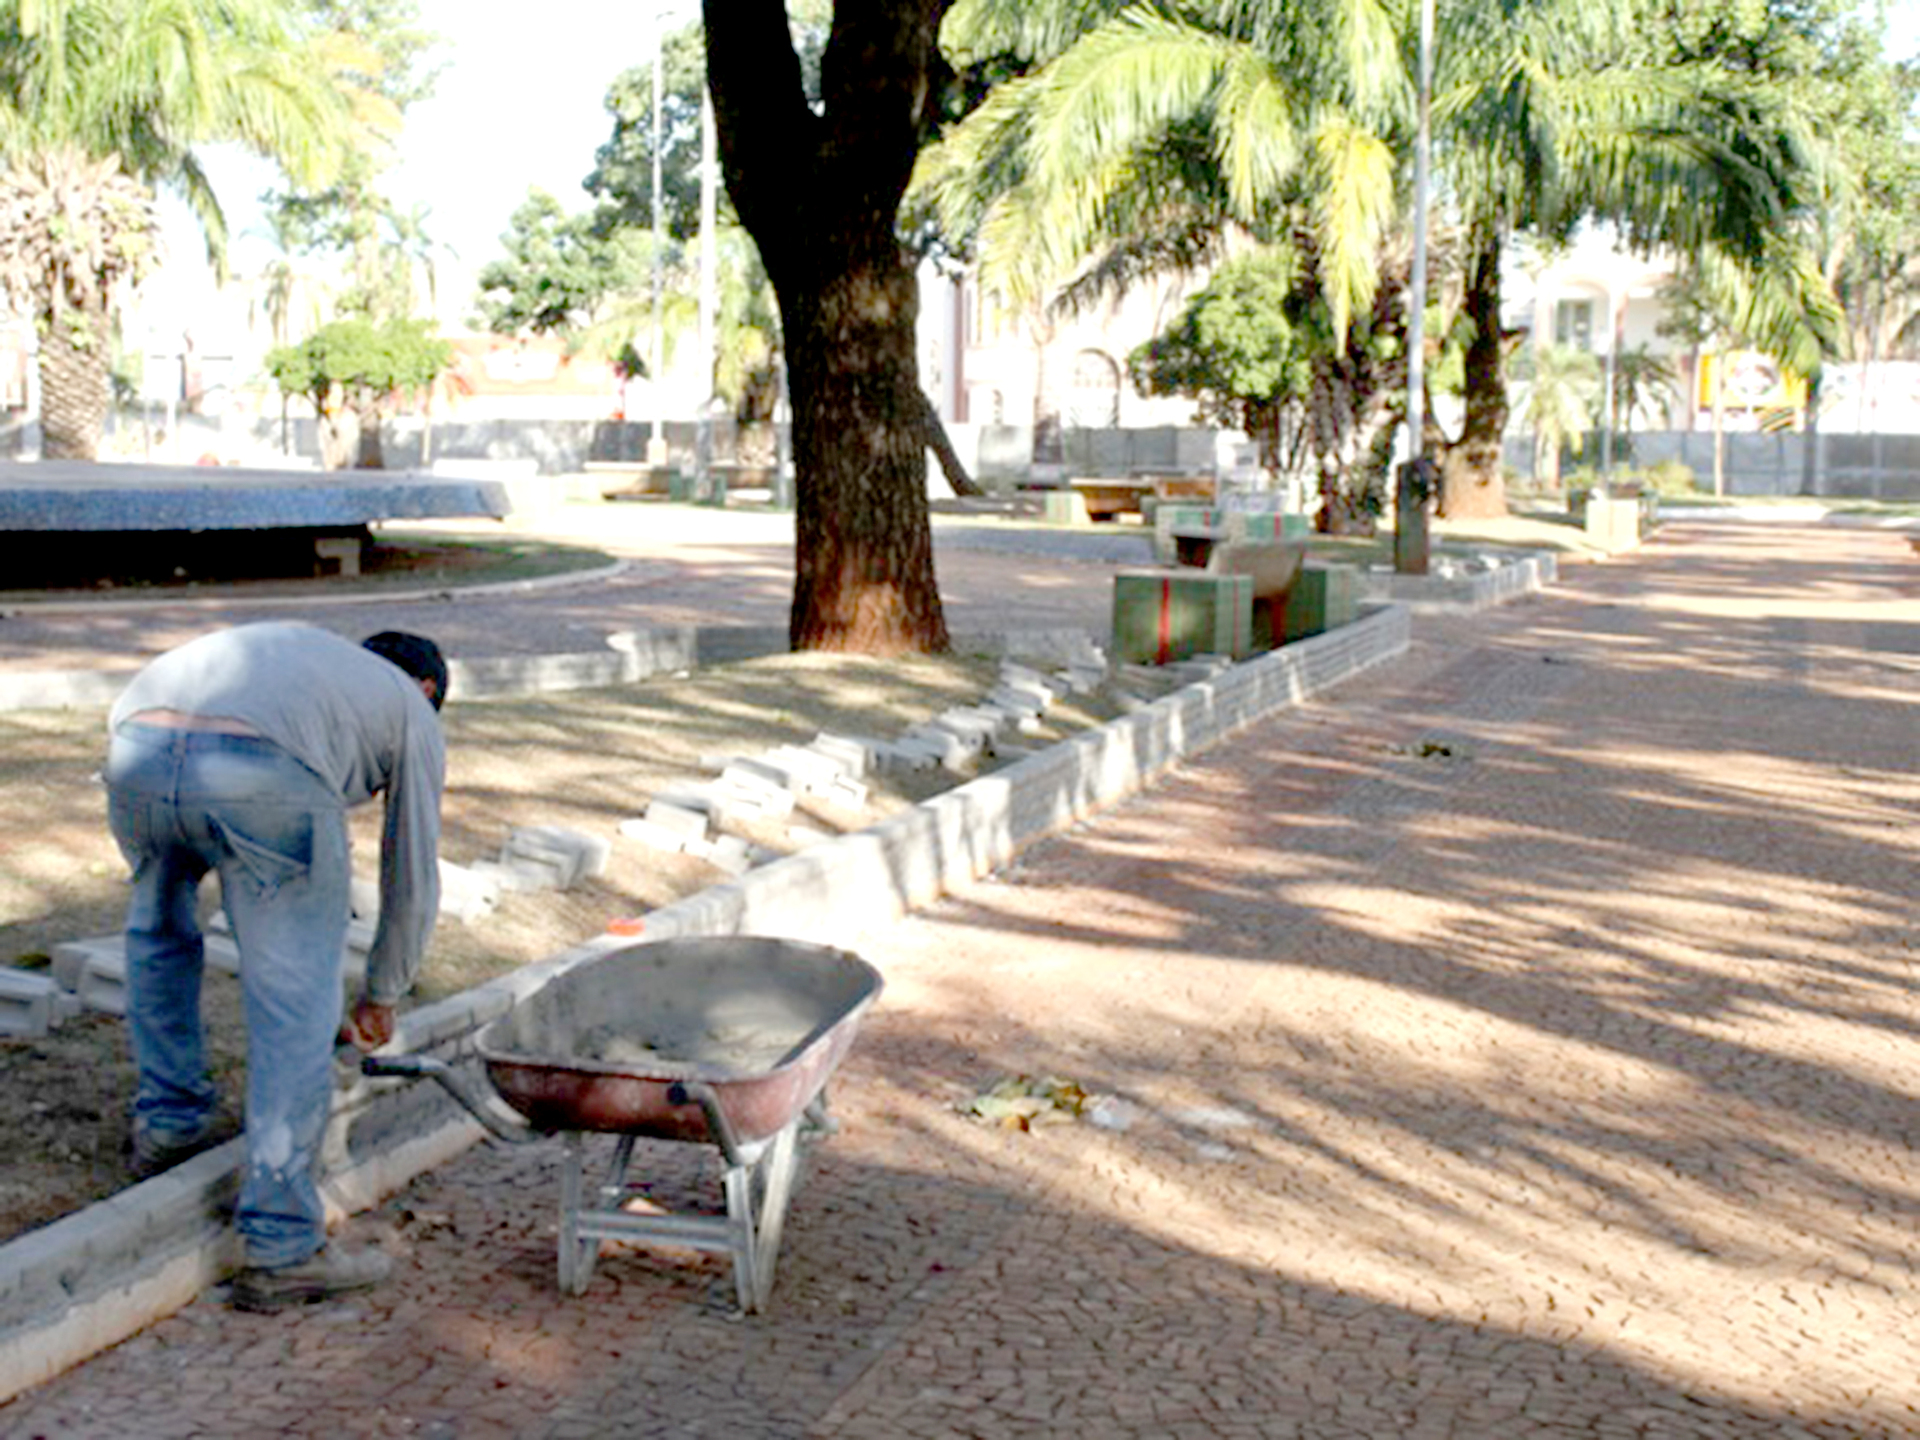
(1519, 1042)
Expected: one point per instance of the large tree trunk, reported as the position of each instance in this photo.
(1472, 482)
(369, 453)
(75, 390)
(819, 194)
(863, 558)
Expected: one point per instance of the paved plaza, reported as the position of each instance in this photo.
(1522, 1040)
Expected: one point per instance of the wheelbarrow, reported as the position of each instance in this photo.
(726, 1042)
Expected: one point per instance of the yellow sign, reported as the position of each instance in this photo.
(1751, 381)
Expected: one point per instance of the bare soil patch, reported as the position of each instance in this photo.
(583, 760)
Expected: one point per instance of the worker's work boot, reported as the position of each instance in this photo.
(325, 1273)
(155, 1151)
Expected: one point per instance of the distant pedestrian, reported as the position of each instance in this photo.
(241, 752)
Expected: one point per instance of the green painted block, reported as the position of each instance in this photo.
(1067, 507)
(1168, 518)
(679, 486)
(1322, 598)
(1263, 525)
(1163, 615)
(1296, 527)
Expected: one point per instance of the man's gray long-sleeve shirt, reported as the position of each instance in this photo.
(356, 720)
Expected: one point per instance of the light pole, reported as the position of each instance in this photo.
(1410, 540)
(657, 441)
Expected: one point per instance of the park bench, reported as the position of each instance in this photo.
(1108, 498)
(1274, 567)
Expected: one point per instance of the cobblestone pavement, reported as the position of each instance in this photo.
(1518, 1042)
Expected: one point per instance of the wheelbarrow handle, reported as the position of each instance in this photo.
(497, 1118)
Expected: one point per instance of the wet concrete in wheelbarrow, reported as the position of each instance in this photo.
(1519, 1041)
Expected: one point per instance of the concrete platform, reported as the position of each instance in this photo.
(63, 495)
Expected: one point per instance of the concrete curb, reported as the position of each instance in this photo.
(90, 1280)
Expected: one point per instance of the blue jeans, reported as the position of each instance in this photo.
(184, 802)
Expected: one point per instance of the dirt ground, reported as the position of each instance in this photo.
(582, 760)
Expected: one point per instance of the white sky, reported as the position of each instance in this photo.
(519, 104)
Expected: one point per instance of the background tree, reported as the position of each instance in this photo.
(1237, 349)
(381, 61)
(95, 94)
(1559, 391)
(353, 370)
(819, 189)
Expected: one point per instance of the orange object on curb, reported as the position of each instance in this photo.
(626, 925)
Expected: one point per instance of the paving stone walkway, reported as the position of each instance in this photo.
(1520, 1041)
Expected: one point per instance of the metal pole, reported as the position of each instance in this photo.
(709, 290)
(1417, 282)
(657, 441)
(1412, 548)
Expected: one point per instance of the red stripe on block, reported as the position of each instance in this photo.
(1165, 651)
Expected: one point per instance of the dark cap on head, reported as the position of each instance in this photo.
(416, 655)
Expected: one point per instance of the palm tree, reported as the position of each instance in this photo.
(1149, 134)
(100, 101)
(1144, 139)
(1564, 111)
(1560, 388)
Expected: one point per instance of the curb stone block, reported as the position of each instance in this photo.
(656, 836)
(808, 771)
(953, 751)
(573, 853)
(684, 821)
(30, 1004)
(467, 893)
(847, 792)
(855, 754)
(501, 880)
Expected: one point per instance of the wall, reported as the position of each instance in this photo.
(1850, 467)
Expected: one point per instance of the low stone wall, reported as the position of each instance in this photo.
(86, 1282)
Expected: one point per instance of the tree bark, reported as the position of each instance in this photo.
(819, 193)
(1472, 481)
(75, 391)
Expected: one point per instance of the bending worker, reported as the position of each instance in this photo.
(240, 752)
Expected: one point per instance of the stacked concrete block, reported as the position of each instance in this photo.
(953, 751)
(808, 771)
(753, 790)
(468, 893)
(852, 754)
(31, 1004)
(551, 857)
(981, 723)
(889, 757)
(674, 821)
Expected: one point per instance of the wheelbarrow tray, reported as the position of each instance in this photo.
(619, 1043)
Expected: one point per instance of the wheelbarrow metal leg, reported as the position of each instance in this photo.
(576, 1254)
(758, 1193)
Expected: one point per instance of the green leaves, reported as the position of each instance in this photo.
(356, 355)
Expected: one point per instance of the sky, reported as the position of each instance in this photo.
(494, 127)
(498, 124)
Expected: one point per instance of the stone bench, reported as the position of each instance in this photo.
(1274, 567)
(1108, 498)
